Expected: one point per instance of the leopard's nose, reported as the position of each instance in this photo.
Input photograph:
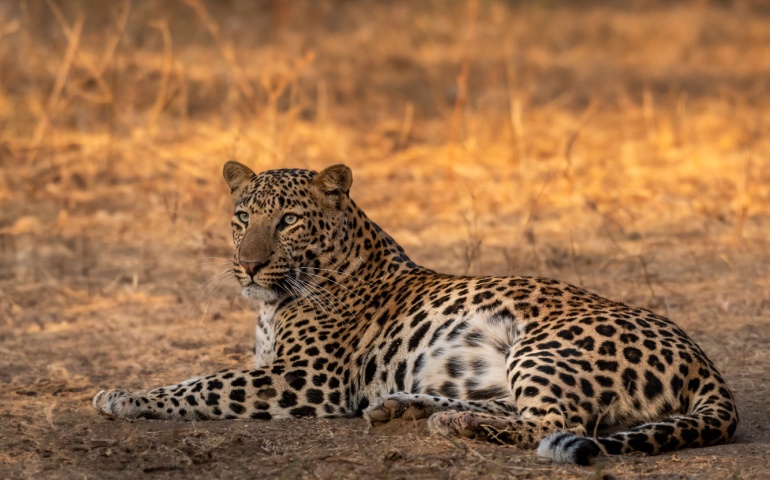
(251, 267)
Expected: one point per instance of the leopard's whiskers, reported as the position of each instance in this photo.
(225, 274)
(336, 271)
(334, 282)
(322, 290)
(303, 292)
(295, 296)
(308, 286)
(214, 283)
(307, 295)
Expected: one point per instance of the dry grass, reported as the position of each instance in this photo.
(622, 148)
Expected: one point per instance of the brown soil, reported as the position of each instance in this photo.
(624, 149)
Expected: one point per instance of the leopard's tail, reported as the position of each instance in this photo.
(712, 420)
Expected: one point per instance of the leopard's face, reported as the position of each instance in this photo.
(285, 226)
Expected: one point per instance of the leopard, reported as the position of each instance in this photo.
(349, 326)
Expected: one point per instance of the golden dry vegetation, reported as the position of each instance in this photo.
(621, 146)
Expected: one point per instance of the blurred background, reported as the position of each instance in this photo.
(621, 146)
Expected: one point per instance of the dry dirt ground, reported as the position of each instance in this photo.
(621, 146)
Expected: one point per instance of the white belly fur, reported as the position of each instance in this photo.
(481, 352)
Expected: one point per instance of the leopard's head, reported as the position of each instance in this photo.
(287, 224)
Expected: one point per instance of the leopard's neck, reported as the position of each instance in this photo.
(367, 254)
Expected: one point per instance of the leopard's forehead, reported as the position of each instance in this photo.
(274, 189)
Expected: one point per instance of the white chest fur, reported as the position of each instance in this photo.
(265, 349)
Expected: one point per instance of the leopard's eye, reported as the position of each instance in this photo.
(290, 219)
(243, 217)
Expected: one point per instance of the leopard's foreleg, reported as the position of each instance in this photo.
(263, 394)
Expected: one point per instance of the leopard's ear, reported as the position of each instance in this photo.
(334, 180)
(237, 176)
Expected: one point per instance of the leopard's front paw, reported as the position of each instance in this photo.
(397, 406)
(117, 403)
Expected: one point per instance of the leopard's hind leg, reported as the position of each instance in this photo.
(496, 421)
(509, 429)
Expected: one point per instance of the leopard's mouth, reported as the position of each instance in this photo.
(260, 293)
(269, 286)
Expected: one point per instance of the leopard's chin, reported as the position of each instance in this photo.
(261, 294)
